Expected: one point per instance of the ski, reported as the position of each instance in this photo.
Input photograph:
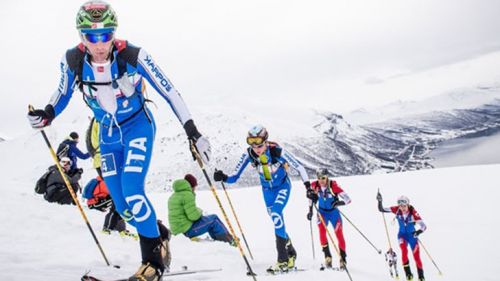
(202, 239)
(183, 271)
(292, 270)
(334, 268)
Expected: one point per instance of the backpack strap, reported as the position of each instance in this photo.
(127, 54)
(274, 151)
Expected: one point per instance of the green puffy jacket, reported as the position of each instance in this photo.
(182, 210)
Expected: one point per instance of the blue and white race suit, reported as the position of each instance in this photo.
(127, 128)
(276, 190)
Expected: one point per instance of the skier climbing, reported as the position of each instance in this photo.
(407, 217)
(329, 196)
(271, 162)
(110, 74)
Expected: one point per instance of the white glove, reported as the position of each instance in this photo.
(204, 149)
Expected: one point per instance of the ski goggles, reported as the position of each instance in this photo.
(99, 37)
(403, 202)
(255, 141)
(65, 163)
(323, 178)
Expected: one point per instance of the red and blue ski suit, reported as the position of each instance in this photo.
(327, 195)
(407, 223)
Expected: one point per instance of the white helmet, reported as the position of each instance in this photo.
(403, 200)
(65, 162)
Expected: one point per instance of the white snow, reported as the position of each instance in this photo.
(42, 241)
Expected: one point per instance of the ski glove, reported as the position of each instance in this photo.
(417, 233)
(379, 197)
(200, 142)
(40, 118)
(337, 203)
(220, 176)
(312, 195)
(309, 215)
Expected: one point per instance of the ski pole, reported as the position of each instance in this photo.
(311, 228)
(331, 239)
(236, 218)
(376, 249)
(391, 251)
(71, 192)
(214, 192)
(429, 255)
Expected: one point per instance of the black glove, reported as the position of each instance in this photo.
(417, 233)
(379, 197)
(312, 195)
(40, 118)
(337, 203)
(307, 184)
(220, 176)
(309, 215)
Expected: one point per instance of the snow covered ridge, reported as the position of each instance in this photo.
(345, 149)
(395, 145)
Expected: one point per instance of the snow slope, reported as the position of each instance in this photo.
(42, 241)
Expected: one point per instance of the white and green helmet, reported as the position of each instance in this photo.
(96, 16)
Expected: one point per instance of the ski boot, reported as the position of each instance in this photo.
(283, 259)
(420, 272)
(409, 275)
(165, 236)
(106, 231)
(279, 267)
(126, 233)
(292, 254)
(234, 242)
(147, 272)
(343, 261)
(328, 262)
(152, 266)
(328, 256)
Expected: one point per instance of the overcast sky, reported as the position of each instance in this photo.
(311, 53)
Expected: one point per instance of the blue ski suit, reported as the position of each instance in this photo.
(276, 189)
(115, 93)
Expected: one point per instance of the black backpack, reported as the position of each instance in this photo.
(41, 184)
(62, 150)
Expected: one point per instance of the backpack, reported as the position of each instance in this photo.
(96, 192)
(62, 150)
(41, 184)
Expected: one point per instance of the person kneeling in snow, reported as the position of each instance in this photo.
(52, 185)
(184, 217)
(98, 198)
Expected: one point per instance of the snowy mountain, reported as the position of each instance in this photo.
(395, 145)
(329, 140)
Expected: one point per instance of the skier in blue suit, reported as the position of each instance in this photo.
(111, 75)
(271, 162)
(68, 148)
